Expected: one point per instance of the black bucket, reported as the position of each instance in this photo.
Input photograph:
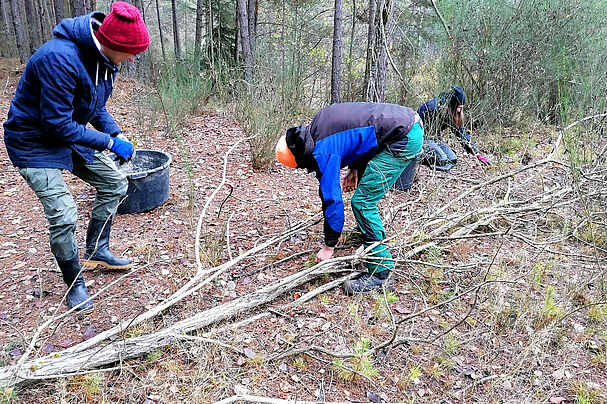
(405, 180)
(148, 176)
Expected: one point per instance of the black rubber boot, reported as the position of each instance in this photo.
(98, 247)
(77, 292)
(367, 284)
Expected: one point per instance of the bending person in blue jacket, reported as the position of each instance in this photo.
(376, 142)
(446, 111)
(65, 85)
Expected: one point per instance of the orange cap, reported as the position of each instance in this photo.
(283, 154)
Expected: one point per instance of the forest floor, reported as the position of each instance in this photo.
(507, 342)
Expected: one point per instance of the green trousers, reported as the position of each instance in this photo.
(59, 206)
(379, 177)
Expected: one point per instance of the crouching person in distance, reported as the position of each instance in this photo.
(446, 111)
(376, 142)
(66, 85)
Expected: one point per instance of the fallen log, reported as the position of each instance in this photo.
(69, 363)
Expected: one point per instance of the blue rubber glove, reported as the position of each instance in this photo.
(122, 148)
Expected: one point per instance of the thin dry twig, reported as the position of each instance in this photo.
(269, 400)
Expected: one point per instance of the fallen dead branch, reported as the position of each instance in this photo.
(268, 400)
(69, 362)
(193, 285)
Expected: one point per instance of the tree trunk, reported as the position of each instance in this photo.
(176, 40)
(370, 62)
(142, 61)
(4, 44)
(218, 31)
(164, 56)
(8, 30)
(243, 23)
(59, 14)
(236, 39)
(23, 43)
(198, 36)
(79, 7)
(252, 10)
(383, 35)
(336, 62)
(47, 19)
(185, 28)
(210, 27)
(350, 53)
(33, 24)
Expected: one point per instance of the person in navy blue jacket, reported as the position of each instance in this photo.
(446, 111)
(376, 142)
(65, 86)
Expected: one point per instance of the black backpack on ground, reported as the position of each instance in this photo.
(437, 155)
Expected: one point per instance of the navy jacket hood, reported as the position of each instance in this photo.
(78, 30)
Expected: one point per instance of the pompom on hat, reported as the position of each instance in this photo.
(123, 29)
(283, 154)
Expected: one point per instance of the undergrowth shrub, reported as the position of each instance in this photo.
(266, 109)
(528, 59)
(181, 93)
(263, 122)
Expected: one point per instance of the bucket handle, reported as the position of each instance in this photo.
(137, 176)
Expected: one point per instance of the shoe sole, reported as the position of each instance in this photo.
(95, 264)
(84, 311)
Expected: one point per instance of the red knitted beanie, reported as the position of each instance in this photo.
(123, 29)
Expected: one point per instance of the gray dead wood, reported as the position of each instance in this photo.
(269, 400)
(60, 365)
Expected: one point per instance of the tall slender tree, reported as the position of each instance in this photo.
(4, 44)
(336, 60)
(252, 11)
(23, 42)
(245, 40)
(160, 31)
(198, 35)
(47, 19)
(383, 37)
(33, 24)
(142, 61)
(236, 47)
(185, 28)
(176, 39)
(350, 52)
(59, 10)
(7, 18)
(370, 62)
(380, 26)
(210, 33)
(79, 7)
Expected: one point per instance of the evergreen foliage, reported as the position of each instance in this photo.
(522, 60)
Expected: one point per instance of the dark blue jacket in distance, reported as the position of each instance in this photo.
(65, 85)
(434, 123)
(348, 134)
